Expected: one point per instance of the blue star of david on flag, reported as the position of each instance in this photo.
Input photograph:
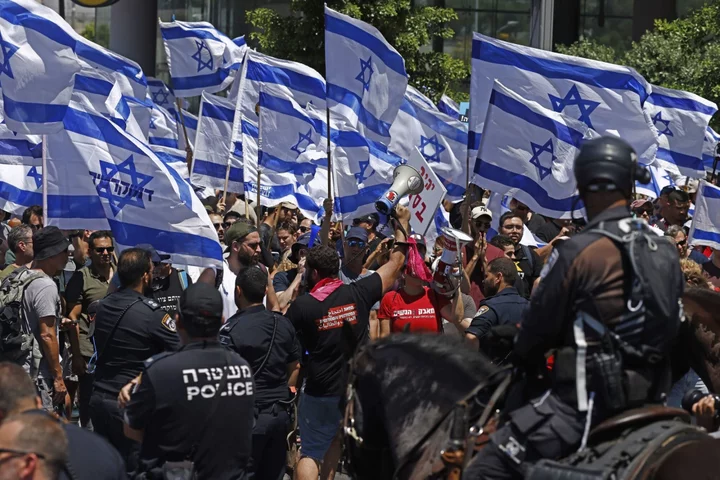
(573, 97)
(8, 50)
(160, 97)
(437, 149)
(152, 124)
(198, 56)
(302, 137)
(365, 66)
(360, 176)
(118, 192)
(538, 150)
(658, 119)
(37, 176)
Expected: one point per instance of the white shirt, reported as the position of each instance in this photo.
(227, 290)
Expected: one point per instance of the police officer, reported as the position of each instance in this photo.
(588, 290)
(267, 341)
(129, 328)
(504, 306)
(193, 409)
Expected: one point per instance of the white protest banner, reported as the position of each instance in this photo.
(423, 205)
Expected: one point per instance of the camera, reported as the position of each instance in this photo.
(694, 396)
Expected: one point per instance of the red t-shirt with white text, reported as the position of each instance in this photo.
(421, 312)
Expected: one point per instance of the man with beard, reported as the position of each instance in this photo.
(503, 305)
(511, 224)
(479, 253)
(168, 282)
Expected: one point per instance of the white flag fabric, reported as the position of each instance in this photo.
(173, 158)
(212, 146)
(366, 76)
(163, 128)
(127, 189)
(20, 171)
(705, 228)
(162, 95)
(681, 119)
(528, 152)
(710, 143)
(449, 106)
(38, 66)
(499, 204)
(441, 139)
(416, 96)
(200, 57)
(286, 131)
(660, 179)
(191, 126)
(605, 97)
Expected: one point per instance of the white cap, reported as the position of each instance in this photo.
(481, 211)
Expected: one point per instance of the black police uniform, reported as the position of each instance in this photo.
(250, 333)
(586, 274)
(123, 344)
(167, 291)
(505, 308)
(194, 404)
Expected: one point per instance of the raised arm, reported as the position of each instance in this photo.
(391, 270)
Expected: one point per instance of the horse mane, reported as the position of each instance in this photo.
(450, 348)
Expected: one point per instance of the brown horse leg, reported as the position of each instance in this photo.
(697, 460)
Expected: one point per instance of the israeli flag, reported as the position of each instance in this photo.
(163, 128)
(528, 152)
(200, 57)
(417, 96)
(162, 95)
(366, 76)
(173, 158)
(441, 220)
(705, 228)
(605, 97)
(286, 131)
(20, 171)
(213, 150)
(499, 204)
(441, 139)
(363, 171)
(710, 143)
(449, 106)
(681, 119)
(38, 68)
(99, 177)
(190, 123)
(660, 179)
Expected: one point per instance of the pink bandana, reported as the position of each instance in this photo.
(325, 287)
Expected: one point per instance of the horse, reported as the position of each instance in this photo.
(403, 390)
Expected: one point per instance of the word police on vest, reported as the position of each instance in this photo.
(231, 380)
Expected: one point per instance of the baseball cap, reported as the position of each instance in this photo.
(667, 189)
(639, 203)
(154, 255)
(369, 218)
(303, 241)
(201, 300)
(49, 242)
(288, 205)
(357, 233)
(481, 211)
(237, 232)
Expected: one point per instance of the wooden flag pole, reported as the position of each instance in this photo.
(258, 209)
(44, 180)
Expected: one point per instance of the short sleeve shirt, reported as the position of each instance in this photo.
(227, 290)
(41, 299)
(85, 286)
(349, 277)
(319, 326)
(421, 312)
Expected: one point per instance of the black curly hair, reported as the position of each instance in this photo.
(323, 259)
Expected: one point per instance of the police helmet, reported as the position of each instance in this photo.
(608, 164)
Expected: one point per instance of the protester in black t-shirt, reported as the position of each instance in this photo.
(195, 404)
(318, 319)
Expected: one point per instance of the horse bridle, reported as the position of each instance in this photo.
(454, 455)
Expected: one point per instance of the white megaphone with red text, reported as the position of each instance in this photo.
(406, 181)
(449, 269)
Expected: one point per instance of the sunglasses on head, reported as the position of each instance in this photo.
(102, 249)
(356, 243)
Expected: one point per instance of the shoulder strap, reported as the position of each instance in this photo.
(529, 256)
(112, 331)
(272, 341)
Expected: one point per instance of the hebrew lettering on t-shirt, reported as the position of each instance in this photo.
(336, 316)
(207, 382)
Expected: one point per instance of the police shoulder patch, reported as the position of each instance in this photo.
(554, 255)
(151, 303)
(483, 310)
(169, 323)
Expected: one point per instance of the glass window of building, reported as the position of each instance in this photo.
(608, 22)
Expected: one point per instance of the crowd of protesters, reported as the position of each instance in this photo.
(272, 316)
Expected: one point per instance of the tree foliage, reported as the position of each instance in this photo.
(300, 37)
(101, 36)
(683, 54)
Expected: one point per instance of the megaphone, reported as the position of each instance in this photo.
(449, 269)
(406, 181)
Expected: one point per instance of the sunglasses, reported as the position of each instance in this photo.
(481, 223)
(681, 243)
(217, 225)
(303, 229)
(227, 224)
(356, 243)
(102, 249)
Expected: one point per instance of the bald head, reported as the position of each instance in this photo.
(17, 391)
(38, 447)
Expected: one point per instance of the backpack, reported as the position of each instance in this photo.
(15, 343)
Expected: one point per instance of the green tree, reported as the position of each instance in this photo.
(683, 54)
(101, 36)
(300, 37)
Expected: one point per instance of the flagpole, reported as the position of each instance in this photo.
(258, 209)
(329, 154)
(44, 180)
(227, 181)
(188, 150)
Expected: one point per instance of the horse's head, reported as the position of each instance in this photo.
(699, 345)
(403, 388)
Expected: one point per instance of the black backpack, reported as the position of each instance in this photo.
(15, 342)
